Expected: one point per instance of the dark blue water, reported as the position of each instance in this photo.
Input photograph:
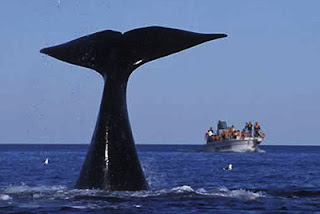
(183, 179)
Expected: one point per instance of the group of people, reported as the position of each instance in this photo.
(224, 133)
(256, 129)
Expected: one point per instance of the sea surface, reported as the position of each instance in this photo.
(182, 179)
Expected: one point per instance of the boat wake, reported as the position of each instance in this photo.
(258, 150)
(246, 149)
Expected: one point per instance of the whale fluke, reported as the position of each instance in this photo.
(109, 49)
(112, 162)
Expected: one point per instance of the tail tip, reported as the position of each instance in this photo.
(222, 35)
(43, 50)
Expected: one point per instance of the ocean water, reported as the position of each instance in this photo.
(183, 179)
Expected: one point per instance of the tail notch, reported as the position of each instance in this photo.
(105, 50)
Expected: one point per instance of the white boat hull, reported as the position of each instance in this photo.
(233, 145)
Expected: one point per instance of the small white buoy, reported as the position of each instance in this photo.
(229, 167)
(46, 161)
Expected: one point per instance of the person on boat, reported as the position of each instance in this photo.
(262, 134)
(246, 126)
(256, 129)
(219, 127)
(229, 133)
(209, 134)
(223, 135)
(250, 129)
(245, 130)
(237, 134)
(243, 133)
(232, 129)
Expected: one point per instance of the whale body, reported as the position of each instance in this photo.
(112, 162)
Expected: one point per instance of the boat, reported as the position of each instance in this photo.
(227, 139)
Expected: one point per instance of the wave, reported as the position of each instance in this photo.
(188, 190)
(298, 194)
(240, 194)
(63, 193)
(83, 200)
(34, 189)
(222, 192)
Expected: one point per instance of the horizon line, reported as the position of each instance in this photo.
(141, 143)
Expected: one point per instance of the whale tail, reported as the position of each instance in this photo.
(104, 50)
(112, 162)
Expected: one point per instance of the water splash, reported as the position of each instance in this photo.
(4, 197)
(239, 194)
(182, 189)
(258, 150)
(63, 193)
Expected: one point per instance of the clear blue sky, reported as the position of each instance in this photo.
(268, 70)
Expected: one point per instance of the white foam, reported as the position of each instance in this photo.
(61, 192)
(36, 195)
(182, 189)
(143, 194)
(239, 194)
(86, 192)
(27, 189)
(79, 207)
(241, 150)
(185, 189)
(258, 150)
(5, 197)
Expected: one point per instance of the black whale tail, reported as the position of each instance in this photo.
(108, 49)
(112, 162)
